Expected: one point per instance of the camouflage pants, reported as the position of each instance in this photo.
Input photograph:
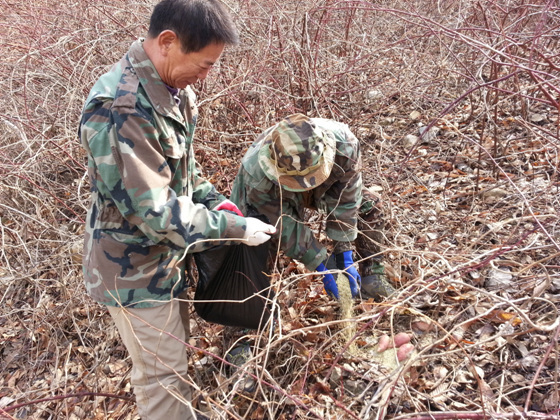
(371, 224)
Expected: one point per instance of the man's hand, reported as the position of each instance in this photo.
(344, 261)
(229, 205)
(257, 232)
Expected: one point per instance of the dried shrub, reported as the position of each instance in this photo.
(472, 237)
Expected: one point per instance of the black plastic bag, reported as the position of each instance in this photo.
(233, 282)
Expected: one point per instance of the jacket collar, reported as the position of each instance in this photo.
(155, 88)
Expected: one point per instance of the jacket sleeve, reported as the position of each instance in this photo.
(285, 212)
(133, 168)
(298, 241)
(344, 197)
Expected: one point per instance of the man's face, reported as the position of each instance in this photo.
(183, 69)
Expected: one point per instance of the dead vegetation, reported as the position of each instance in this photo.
(472, 207)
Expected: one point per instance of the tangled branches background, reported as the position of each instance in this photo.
(456, 104)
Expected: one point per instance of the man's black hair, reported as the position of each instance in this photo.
(197, 23)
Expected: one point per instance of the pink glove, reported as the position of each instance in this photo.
(229, 205)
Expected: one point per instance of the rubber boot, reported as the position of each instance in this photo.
(368, 246)
(376, 285)
(238, 356)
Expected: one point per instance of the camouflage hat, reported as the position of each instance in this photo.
(297, 154)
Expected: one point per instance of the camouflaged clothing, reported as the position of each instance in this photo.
(297, 154)
(148, 202)
(371, 226)
(339, 197)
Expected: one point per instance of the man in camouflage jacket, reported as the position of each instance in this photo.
(149, 204)
(314, 163)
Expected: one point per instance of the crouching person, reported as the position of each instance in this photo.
(304, 163)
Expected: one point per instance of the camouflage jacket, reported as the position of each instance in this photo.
(339, 197)
(148, 203)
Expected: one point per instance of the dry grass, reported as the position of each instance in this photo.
(473, 213)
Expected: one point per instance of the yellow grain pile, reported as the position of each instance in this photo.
(346, 311)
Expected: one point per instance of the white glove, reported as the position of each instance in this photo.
(257, 232)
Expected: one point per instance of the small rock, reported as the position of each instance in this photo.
(529, 362)
(201, 362)
(248, 385)
(498, 278)
(213, 349)
(462, 166)
(505, 330)
(494, 193)
(429, 136)
(373, 94)
(335, 376)
(414, 115)
(537, 118)
(409, 141)
(347, 367)
(517, 378)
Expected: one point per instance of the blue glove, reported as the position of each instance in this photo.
(344, 261)
(328, 281)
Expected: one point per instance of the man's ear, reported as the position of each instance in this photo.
(166, 39)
